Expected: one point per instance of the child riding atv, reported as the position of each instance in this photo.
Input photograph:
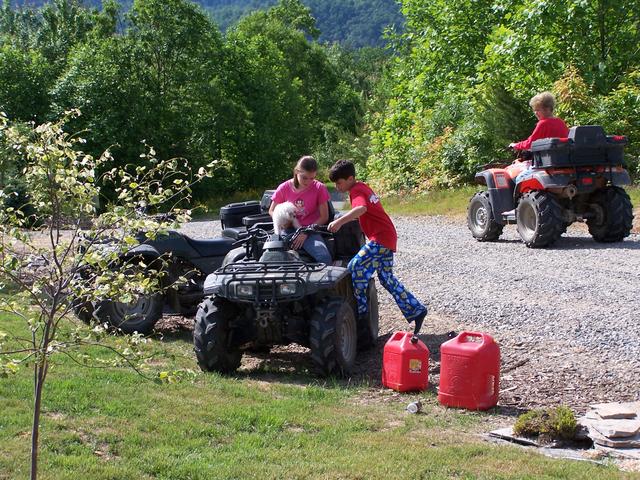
(572, 176)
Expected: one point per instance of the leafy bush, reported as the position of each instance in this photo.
(617, 112)
(550, 423)
(17, 199)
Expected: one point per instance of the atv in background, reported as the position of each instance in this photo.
(572, 179)
(185, 262)
(267, 294)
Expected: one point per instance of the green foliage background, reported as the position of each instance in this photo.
(447, 95)
(355, 23)
(255, 99)
(459, 88)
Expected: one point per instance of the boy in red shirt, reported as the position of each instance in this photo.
(548, 126)
(377, 253)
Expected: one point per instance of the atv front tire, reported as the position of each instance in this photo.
(480, 220)
(614, 215)
(539, 219)
(333, 337)
(211, 337)
(139, 316)
(368, 325)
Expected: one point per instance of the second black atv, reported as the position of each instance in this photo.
(579, 178)
(267, 294)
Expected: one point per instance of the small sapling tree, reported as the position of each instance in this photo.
(46, 249)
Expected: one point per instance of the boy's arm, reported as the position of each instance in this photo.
(352, 214)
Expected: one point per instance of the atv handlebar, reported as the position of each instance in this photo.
(255, 233)
(313, 228)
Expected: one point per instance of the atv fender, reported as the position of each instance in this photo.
(500, 187)
(142, 250)
(543, 180)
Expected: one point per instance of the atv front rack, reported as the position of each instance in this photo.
(266, 284)
(270, 267)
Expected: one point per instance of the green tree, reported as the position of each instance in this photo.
(24, 81)
(466, 70)
(41, 268)
(295, 96)
(160, 82)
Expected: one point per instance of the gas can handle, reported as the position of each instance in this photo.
(462, 337)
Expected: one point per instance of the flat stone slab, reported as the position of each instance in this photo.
(616, 428)
(507, 434)
(616, 410)
(628, 442)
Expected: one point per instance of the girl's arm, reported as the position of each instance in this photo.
(323, 219)
(272, 206)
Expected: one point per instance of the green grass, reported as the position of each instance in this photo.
(451, 202)
(438, 202)
(111, 424)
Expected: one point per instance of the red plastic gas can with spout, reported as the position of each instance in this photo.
(405, 363)
(469, 372)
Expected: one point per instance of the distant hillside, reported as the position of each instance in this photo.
(354, 23)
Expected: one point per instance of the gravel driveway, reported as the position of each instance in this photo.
(567, 318)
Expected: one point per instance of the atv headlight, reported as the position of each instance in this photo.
(244, 290)
(287, 289)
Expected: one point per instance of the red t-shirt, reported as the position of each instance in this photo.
(553, 127)
(375, 222)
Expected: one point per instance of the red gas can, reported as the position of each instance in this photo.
(405, 363)
(469, 372)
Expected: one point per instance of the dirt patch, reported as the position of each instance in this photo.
(533, 374)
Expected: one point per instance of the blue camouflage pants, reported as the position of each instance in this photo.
(374, 257)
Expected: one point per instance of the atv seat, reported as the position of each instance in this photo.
(235, 233)
(216, 247)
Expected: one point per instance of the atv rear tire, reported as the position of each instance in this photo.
(333, 336)
(83, 309)
(539, 219)
(368, 325)
(615, 215)
(211, 339)
(480, 219)
(138, 316)
(81, 306)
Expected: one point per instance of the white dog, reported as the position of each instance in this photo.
(284, 217)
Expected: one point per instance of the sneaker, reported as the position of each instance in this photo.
(417, 322)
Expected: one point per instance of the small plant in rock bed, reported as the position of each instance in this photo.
(557, 423)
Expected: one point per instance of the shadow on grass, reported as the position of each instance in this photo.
(292, 364)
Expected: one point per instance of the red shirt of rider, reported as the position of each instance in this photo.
(550, 127)
(375, 222)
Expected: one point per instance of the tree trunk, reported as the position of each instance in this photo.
(602, 27)
(39, 373)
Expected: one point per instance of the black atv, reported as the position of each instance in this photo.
(178, 257)
(267, 294)
(578, 178)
